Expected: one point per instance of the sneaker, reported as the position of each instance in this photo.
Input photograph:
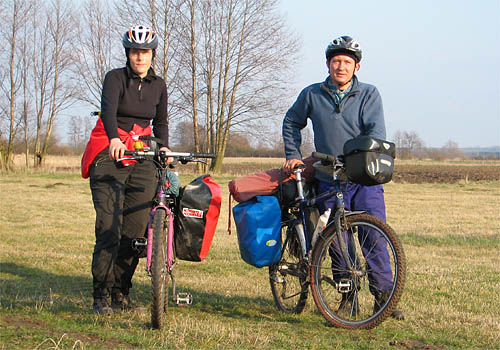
(380, 299)
(101, 306)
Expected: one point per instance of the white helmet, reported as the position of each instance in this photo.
(140, 37)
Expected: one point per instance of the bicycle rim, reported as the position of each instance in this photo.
(288, 277)
(159, 275)
(365, 295)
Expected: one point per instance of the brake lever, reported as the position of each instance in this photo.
(130, 158)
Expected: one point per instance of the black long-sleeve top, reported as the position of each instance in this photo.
(127, 100)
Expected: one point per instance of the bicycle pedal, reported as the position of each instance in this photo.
(344, 286)
(277, 278)
(182, 299)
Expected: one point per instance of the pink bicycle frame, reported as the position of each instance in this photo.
(170, 238)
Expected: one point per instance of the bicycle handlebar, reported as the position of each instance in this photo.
(324, 156)
(171, 154)
(182, 156)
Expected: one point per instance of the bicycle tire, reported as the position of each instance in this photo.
(288, 277)
(347, 298)
(159, 275)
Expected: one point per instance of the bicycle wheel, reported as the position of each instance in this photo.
(288, 277)
(364, 295)
(159, 275)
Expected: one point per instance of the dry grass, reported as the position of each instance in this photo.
(451, 235)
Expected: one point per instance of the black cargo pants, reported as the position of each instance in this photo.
(122, 197)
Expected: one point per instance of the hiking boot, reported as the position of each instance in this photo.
(349, 306)
(101, 306)
(380, 300)
(122, 302)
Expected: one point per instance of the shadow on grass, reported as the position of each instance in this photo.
(32, 287)
(233, 306)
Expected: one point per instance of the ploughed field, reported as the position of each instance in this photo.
(445, 173)
(404, 171)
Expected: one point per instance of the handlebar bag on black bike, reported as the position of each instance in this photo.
(258, 224)
(196, 220)
(369, 161)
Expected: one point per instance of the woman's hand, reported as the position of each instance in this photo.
(116, 148)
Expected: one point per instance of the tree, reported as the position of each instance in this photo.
(96, 50)
(19, 11)
(450, 150)
(408, 144)
(79, 132)
(243, 78)
(54, 92)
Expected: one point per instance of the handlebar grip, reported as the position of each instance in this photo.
(204, 155)
(139, 153)
(323, 156)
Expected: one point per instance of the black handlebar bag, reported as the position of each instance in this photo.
(369, 161)
(198, 211)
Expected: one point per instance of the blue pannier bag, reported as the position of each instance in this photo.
(258, 224)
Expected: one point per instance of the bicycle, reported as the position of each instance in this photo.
(336, 262)
(159, 243)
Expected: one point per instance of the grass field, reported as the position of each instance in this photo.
(451, 235)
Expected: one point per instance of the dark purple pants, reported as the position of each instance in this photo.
(371, 200)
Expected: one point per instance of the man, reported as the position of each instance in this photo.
(340, 109)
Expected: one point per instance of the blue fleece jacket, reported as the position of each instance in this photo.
(359, 113)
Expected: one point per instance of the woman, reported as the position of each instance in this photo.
(132, 97)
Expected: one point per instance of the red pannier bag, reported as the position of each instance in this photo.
(196, 218)
(265, 183)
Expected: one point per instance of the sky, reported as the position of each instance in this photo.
(436, 63)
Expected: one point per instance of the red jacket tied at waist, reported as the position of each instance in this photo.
(99, 141)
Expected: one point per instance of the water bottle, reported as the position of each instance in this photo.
(320, 226)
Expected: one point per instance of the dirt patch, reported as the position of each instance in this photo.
(445, 173)
(414, 345)
(78, 340)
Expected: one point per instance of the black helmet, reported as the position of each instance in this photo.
(344, 45)
(140, 37)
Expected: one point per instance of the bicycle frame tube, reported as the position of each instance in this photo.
(162, 205)
(170, 248)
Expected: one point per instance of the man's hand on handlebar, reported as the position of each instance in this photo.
(169, 159)
(290, 164)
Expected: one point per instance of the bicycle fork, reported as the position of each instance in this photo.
(180, 298)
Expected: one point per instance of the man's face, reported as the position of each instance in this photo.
(140, 61)
(342, 68)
